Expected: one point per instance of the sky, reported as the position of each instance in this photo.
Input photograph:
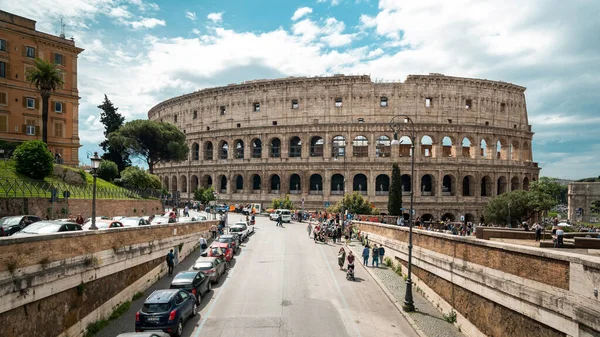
(141, 52)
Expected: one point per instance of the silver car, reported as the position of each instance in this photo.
(212, 267)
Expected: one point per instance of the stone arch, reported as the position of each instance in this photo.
(469, 218)
(256, 148)
(166, 182)
(360, 146)
(337, 184)
(468, 150)
(406, 183)
(514, 183)
(448, 216)
(295, 150)
(193, 183)
(207, 181)
(174, 184)
(239, 149)
(405, 147)
(426, 217)
(448, 147)
(514, 151)
(238, 183)
(486, 186)
(275, 183)
(501, 188)
(316, 146)
(338, 146)
(501, 149)
(223, 183)
(448, 185)
(427, 185)
(382, 184)
(184, 187)
(468, 187)
(195, 151)
(223, 150)
(208, 150)
(315, 184)
(256, 182)
(526, 184)
(427, 146)
(359, 183)
(275, 148)
(484, 149)
(526, 152)
(383, 147)
(295, 184)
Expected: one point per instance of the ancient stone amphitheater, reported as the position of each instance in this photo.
(320, 137)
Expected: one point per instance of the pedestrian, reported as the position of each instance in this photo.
(309, 229)
(538, 231)
(341, 258)
(203, 243)
(186, 211)
(560, 234)
(375, 260)
(79, 219)
(381, 253)
(170, 261)
(334, 234)
(350, 259)
(213, 231)
(365, 255)
(398, 221)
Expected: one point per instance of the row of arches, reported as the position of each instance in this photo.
(501, 149)
(466, 186)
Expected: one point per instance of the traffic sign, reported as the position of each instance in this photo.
(327, 204)
(462, 218)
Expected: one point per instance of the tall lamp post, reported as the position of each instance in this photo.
(95, 164)
(398, 123)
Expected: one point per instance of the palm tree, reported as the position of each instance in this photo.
(46, 77)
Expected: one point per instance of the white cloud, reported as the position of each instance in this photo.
(215, 17)
(196, 31)
(333, 35)
(191, 15)
(300, 12)
(307, 29)
(147, 23)
(119, 12)
(332, 2)
(375, 53)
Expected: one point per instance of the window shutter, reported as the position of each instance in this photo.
(7, 70)
(24, 101)
(37, 104)
(35, 130)
(3, 122)
(52, 106)
(24, 128)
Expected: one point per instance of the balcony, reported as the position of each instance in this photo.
(295, 192)
(255, 191)
(275, 191)
(315, 192)
(337, 192)
(361, 192)
(426, 193)
(382, 192)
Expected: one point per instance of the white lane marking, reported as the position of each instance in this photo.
(339, 290)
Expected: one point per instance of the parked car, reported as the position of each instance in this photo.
(248, 209)
(194, 281)
(134, 221)
(163, 220)
(213, 267)
(234, 240)
(240, 228)
(222, 250)
(222, 208)
(188, 219)
(9, 225)
(149, 333)
(48, 227)
(117, 218)
(274, 215)
(103, 224)
(201, 217)
(166, 310)
(286, 215)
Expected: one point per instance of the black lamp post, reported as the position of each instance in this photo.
(396, 125)
(95, 164)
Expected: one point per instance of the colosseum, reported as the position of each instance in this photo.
(317, 138)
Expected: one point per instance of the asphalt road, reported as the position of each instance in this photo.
(284, 284)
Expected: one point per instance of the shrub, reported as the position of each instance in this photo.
(136, 177)
(284, 203)
(108, 170)
(33, 159)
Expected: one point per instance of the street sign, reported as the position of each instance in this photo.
(462, 218)
(327, 204)
(414, 212)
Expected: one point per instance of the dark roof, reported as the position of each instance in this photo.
(161, 296)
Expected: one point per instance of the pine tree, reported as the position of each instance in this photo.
(112, 121)
(395, 198)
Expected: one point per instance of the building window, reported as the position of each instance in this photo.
(175, 118)
(195, 114)
(274, 123)
(256, 107)
(239, 125)
(3, 69)
(502, 107)
(3, 45)
(30, 103)
(30, 129)
(58, 107)
(3, 123)
(3, 98)
(30, 52)
(383, 102)
(59, 59)
(469, 104)
(338, 102)
(428, 102)
(295, 104)
(58, 130)
(223, 110)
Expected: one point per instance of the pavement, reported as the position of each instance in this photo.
(284, 284)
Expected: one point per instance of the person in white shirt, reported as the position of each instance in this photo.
(560, 233)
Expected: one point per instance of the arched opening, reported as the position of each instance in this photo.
(207, 181)
(338, 147)
(467, 148)
(359, 184)
(208, 151)
(382, 185)
(275, 184)
(500, 150)
(166, 183)
(183, 184)
(526, 152)
(193, 183)
(406, 183)
(239, 149)
(501, 188)
(526, 184)
(448, 185)
(427, 185)
(316, 184)
(360, 147)
(383, 147)
(484, 149)
(447, 148)
(427, 146)
(256, 183)
(405, 147)
(514, 183)
(256, 148)
(426, 217)
(275, 148)
(514, 151)
(223, 185)
(486, 186)
(174, 184)
(223, 150)
(295, 147)
(195, 151)
(467, 187)
(239, 184)
(469, 218)
(316, 146)
(295, 184)
(448, 217)
(337, 184)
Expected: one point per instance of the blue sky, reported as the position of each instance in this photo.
(141, 52)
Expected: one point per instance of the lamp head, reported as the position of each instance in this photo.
(395, 141)
(96, 161)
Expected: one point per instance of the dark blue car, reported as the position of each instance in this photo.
(166, 310)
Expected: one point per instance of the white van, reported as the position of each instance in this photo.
(285, 213)
(248, 209)
(273, 216)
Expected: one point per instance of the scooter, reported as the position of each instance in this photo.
(350, 272)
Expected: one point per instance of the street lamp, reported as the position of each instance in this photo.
(95, 164)
(397, 126)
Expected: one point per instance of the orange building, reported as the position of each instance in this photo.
(20, 102)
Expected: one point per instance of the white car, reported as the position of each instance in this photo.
(240, 228)
(273, 216)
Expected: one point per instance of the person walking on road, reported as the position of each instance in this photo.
(350, 259)
(170, 261)
(381, 254)
(334, 234)
(365, 255)
(213, 231)
(203, 243)
(341, 258)
(375, 256)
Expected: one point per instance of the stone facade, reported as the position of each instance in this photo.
(582, 196)
(318, 138)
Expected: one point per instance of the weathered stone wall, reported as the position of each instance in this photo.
(582, 195)
(500, 289)
(104, 207)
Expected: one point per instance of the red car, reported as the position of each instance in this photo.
(221, 250)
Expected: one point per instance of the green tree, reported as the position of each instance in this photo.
(152, 141)
(136, 177)
(551, 187)
(354, 203)
(46, 77)
(112, 121)
(108, 170)
(519, 202)
(284, 203)
(395, 198)
(33, 159)
(204, 194)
